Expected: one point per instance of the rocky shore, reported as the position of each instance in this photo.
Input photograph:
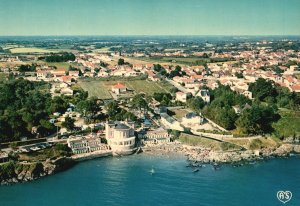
(14, 172)
(207, 155)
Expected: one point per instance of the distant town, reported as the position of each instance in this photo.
(214, 99)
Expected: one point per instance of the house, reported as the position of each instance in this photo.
(238, 109)
(181, 96)
(170, 123)
(295, 88)
(80, 145)
(204, 94)
(67, 91)
(160, 110)
(157, 136)
(74, 73)
(119, 88)
(192, 118)
(43, 74)
(58, 73)
(67, 79)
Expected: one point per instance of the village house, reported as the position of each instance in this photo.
(181, 96)
(204, 94)
(67, 91)
(170, 123)
(74, 73)
(80, 145)
(119, 88)
(153, 137)
(192, 118)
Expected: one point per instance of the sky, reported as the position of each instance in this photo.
(149, 17)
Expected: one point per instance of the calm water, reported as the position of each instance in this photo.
(127, 181)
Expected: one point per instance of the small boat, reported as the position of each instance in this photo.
(196, 170)
(152, 171)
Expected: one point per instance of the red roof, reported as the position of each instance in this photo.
(296, 87)
(119, 86)
(66, 78)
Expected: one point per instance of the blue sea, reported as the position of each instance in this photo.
(128, 181)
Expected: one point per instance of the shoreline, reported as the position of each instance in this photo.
(201, 155)
(195, 157)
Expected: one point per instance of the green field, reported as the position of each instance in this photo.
(59, 65)
(192, 61)
(101, 88)
(194, 140)
(96, 89)
(29, 50)
(288, 125)
(102, 50)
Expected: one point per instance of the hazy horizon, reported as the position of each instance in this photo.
(149, 18)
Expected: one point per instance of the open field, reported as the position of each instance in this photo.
(102, 50)
(96, 89)
(12, 64)
(179, 113)
(192, 61)
(29, 50)
(255, 143)
(60, 65)
(206, 143)
(288, 125)
(101, 88)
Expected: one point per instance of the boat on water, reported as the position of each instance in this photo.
(152, 171)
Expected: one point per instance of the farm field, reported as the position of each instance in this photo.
(29, 50)
(192, 61)
(100, 88)
(60, 65)
(96, 89)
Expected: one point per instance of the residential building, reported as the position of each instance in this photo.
(119, 88)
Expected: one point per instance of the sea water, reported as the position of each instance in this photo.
(131, 181)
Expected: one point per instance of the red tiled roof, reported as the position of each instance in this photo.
(119, 86)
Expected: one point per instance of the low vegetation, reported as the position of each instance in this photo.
(193, 140)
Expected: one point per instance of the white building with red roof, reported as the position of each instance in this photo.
(119, 88)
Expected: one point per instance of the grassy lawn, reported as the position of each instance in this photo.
(179, 113)
(95, 88)
(59, 65)
(288, 125)
(101, 88)
(30, 50)
(206, 143)
(257, 143)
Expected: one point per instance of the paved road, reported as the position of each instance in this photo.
(178, 86)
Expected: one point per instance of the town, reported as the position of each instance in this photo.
(87, 98)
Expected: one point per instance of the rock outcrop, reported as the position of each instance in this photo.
(13, 172)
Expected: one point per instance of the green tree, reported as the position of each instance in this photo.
(68, 123)
(121, 62)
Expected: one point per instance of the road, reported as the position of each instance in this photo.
(178, 86)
